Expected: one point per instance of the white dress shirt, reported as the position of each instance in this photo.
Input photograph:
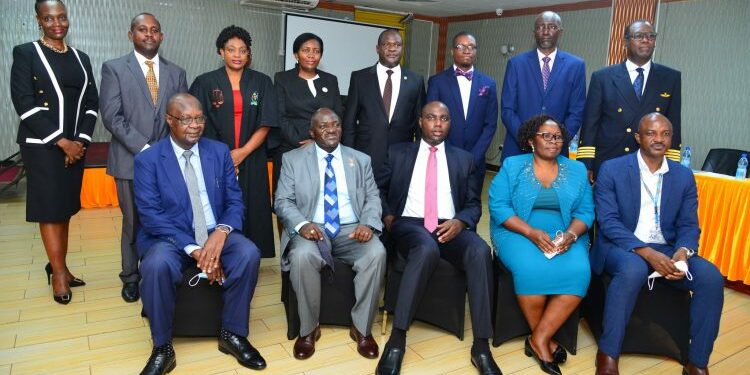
(631, 67)
(395, 80)
(311, 85)
(415, 200)
(646, 217)
(464, 85)
(551, 56)
(144, 68)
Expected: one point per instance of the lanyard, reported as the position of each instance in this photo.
(655, 198)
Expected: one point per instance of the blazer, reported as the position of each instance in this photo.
(366, 126)
(163, 201)
(524, 97)
(128, 111)
(395, 177)
(618, 195)
(40, 103)
(612, 112)
(474, 132)
(296, 104)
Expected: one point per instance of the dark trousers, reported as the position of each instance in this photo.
(467, 252)
(130, 223)
(161, 272)
(629, 274)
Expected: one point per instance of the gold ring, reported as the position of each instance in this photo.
(312, 231)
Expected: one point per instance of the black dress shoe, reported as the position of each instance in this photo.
(548, 367)
(485, 364)
(162, 361)
(390, 361)
(559, 356)
(240, 349)
(130, 292)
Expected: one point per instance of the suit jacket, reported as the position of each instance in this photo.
(474, 132)
(128, 111)
(366, 126)
(40, 103)
(524, 96)
(395, 177)
(617, 195)
(612, 112)
(163, 201)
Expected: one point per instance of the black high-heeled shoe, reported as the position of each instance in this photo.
(72, 283)
(547, 367)
(63, 299)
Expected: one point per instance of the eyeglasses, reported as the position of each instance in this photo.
(642, 36)
(549, 137)
(186, 121)
(433, 118)
(546, 26)
(465, 47)
(232, 51)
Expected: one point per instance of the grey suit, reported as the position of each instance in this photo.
(134, 121)
(296, 200)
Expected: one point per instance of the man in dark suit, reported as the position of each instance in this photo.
(619, 95)
(382, 107)
(544, 80)
(134, 93)
(190, 204)
(471, 97)
(431, 207)
(646, 207)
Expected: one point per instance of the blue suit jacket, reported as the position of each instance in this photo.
(524, 97)
(618, 195)
(475, 132)
(162, 199)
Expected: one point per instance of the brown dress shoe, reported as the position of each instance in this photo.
(304, 347)
(691, 369)
(366, 345)
(606, 365)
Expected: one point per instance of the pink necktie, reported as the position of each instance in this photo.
(430, 192)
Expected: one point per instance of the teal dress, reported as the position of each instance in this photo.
(516, 191)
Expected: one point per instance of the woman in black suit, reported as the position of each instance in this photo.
(53, 91)
(240, 108)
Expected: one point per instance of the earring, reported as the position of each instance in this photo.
(532, 148)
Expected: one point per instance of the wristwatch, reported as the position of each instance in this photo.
(223, 228)
(688, 252)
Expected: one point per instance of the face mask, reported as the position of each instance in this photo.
(681, 265)
(197, 278)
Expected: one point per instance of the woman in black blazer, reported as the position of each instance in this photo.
(53, 91)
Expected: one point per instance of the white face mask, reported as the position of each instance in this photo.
(681, 265)
(197, 278)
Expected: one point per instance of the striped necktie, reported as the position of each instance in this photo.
(331, 201)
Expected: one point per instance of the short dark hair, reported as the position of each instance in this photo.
(39, 3)
(133, 21)
(529, 129)
(628, 26)
(230, 32)
(304, 38)
(387, 31)
(460, 34)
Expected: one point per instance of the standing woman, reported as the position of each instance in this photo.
(240, 108)
(53, 91)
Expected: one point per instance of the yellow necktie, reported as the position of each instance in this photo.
(153, 87)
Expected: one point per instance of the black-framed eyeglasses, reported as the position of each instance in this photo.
(643, 36)
(186, 121)
(546, 26)
(549, 137)
(465, 47)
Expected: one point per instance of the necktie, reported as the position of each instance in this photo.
(638, 84)
(199, 219)
(545, 71)
(430, 192)
(469, 75)
(153, 87)
(387, 93)
(331, 201)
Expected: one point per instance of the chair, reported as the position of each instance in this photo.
(336, 299)
(510, 322)
(659, 324)
(722, 160)
(11, 171)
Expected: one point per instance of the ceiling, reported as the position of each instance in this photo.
(445, 8)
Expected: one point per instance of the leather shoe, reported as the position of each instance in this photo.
(606, 365)
(304, 347)
(390, 362)
(691, 369)
(161, 361)
(130, 292)
(559, 356)
(239, 348)
(547, 367)
(485, 364)
(366, 345)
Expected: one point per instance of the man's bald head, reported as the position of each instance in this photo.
(181, 102)
(185, 119)
(652, 118)
(321, 113)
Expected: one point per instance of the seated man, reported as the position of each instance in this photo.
(327, 199)
(431, 207)
(189, 204)
(646, 208)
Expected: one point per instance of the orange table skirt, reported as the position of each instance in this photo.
(724, 216)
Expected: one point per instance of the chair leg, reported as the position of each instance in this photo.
(384, 322)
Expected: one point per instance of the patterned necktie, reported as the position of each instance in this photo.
(469, 75)
(153, 87)
(638, 84)
(331, 201)
(387, 94)
(199, 219)
(430, 192)
(545, 71)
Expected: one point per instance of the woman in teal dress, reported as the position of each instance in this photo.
(541, 207)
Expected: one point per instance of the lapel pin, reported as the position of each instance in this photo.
(325, 89)
(405, 78)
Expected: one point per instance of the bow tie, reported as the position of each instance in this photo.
(468, 74)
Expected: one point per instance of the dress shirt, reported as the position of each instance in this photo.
(346, 212)
(631, 67)
(395, 80)
(551, 56)
(646, 216)
(144, 68)
(415, 200)
(464, 85)
(311, 85)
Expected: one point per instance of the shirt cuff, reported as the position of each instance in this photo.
(190, 248)
(145, 147)
(300, 225)
(227, 226)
